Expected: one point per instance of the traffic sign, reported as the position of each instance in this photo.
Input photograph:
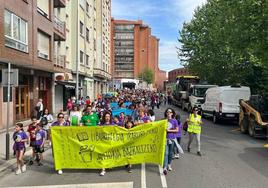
(14, 77)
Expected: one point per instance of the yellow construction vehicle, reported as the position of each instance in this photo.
(253, 118)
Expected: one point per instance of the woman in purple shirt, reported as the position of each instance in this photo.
(106, 120)
(172, 131)
(61, 121)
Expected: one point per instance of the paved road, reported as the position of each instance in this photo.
(229, 159)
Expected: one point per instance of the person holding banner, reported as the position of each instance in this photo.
(61, 121)
(142, 117)
(116, 121)
(106, 119)
(172, 130)
(89, 118)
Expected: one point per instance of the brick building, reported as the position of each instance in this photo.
(176, 72)
(134, 49)
(27, 42)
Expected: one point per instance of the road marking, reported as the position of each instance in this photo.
(92, 185)
(163, 177)
(234, 130)
(143, 176)
(266, 146)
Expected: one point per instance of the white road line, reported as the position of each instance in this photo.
(143, 176)
(92, 185)
(163, 177)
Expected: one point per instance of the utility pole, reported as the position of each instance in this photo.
(8, 101)
(77, 54)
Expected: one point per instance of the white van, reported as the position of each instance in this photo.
(223, 102)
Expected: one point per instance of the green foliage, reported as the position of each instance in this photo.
(147, 75)
(226, 42)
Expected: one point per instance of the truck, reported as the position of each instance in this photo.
(253, 117)
(188, 93)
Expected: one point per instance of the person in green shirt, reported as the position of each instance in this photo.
(89, 118)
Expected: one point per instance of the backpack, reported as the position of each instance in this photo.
(37, 108)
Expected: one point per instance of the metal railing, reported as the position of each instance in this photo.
(59, 25)
(59, 60)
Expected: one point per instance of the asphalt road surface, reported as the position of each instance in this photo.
(230, 159)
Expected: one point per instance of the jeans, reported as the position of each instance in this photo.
(168, 153)
(191, 137)
(176, 151)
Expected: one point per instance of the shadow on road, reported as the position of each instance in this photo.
(253, 156)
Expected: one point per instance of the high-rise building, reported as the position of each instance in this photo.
(31, 29)
(134, 49)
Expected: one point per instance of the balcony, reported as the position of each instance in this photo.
(101, 74)
(59, 61)
(59, 3)
(59, 30)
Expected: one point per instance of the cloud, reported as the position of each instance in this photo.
(168, 55)
(133, 9)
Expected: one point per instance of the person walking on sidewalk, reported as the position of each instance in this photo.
(19, 137)
(39, 108)
(194, 129)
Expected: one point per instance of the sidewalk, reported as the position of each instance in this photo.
(4, 164)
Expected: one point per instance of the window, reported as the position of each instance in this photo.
(81, 28)
(87, 60)
(81, 57)
(16, 32)
(43, 45)
(87, 34)
(87, 7)
(94, 44)
(103, 48)
(43, 7)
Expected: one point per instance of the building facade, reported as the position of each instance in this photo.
(172, 75)
(134, 49)
(102, 63)
(27, 41)
(88, 44)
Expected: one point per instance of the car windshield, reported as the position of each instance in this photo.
(199, 92)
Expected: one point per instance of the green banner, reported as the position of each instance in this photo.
(108, 146)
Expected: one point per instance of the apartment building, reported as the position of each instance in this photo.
(30, 29)
(102, 64)
(88, 44)
(134, 49)
(172, 75)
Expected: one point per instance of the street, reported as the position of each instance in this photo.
(230, 159)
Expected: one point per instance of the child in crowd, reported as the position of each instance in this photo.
(117, 122)
(31, 131)
(129, 125)
(40, 137)
(19, 137)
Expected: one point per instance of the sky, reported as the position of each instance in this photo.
(165, 17)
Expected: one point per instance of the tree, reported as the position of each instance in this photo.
(147, 75)
(226, 42)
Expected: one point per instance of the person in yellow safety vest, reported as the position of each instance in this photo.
(194, 129)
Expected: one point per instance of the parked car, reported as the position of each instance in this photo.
(223, 102)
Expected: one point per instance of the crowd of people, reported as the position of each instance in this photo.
(99, 112)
